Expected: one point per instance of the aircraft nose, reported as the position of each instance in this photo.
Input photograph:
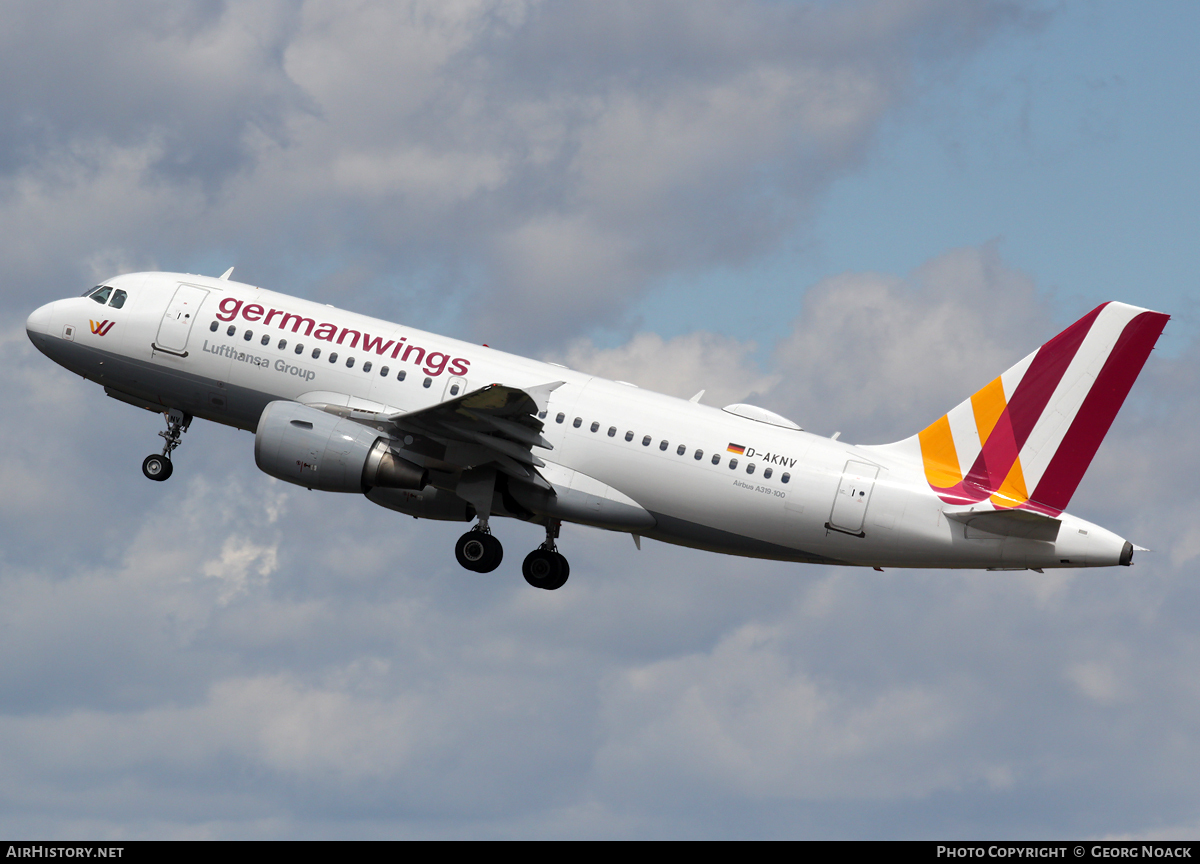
(38, 323)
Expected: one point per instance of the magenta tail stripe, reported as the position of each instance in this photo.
(1099, 408)
(1042, 378)
(1027, 403)
(997, 457)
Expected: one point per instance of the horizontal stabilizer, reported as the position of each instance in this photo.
(1010, 523)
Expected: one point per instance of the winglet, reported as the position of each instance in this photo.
(541, 395)
(224, 277)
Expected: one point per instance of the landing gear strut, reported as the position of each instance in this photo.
(478, 550)
(545, 567)
(158, 466)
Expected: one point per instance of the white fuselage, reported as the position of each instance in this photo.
(788, 495)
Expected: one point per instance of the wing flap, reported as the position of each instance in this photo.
(497, 424)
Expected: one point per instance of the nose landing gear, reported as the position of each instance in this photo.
(159, 467)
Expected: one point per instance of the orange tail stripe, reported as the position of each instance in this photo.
(1012, 492)
(988, 404)
(941, 459)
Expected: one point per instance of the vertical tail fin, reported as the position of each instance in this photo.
(1026, 438)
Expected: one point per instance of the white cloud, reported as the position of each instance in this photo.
(682, 366)
(547, 162)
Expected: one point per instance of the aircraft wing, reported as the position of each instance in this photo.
(494, 425)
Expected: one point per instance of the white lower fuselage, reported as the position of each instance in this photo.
(829, 509)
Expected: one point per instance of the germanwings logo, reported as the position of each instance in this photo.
(1026, 438)
(101, 328)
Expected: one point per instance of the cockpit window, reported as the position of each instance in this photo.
(118, 299)
(101, 296)
(90, 290)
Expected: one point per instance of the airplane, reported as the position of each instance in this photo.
(437, 428)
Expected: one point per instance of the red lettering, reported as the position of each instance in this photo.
(420, 353)
(399, 345)
(271, 315)
(459, 366)
(375, 343)
(227, 309)
(354, 341)
(252, 312)
(295, 327)
(436, 367)
(325, 331)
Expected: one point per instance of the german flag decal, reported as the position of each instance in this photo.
(736, 448)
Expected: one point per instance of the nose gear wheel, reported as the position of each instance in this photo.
(158, 466)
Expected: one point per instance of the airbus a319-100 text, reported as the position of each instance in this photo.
(441, 429)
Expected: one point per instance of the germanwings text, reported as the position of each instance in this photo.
(433, 363)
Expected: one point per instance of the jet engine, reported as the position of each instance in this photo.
(311, 448)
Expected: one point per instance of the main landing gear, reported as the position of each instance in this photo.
(544, 567)
(478, 550)
(158, 466)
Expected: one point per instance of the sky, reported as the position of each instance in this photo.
(854, 214)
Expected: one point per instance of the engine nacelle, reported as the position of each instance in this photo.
(311, 448)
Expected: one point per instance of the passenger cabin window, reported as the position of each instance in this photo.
(595, 425)
(231, 331)
(646, 441)
(663, 445)
(282, 344)
(266, 340)
(101, 296)
(750, 468)
(680, 450)
(213, 326)
(316, 353)
(578, 422)
(716, 460)
(732, 464)
(118, 299)
(560, 417)
(453, 389)
(401, 375)
(541, 415)
(300, 348)
(383, 372)
(332, 356)
(426, 383)
(248, 335)
(612, 431)
(367, 366)
(629, 435)
(785, 478)
(699, 455)
(767, 473)
(349, 362)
